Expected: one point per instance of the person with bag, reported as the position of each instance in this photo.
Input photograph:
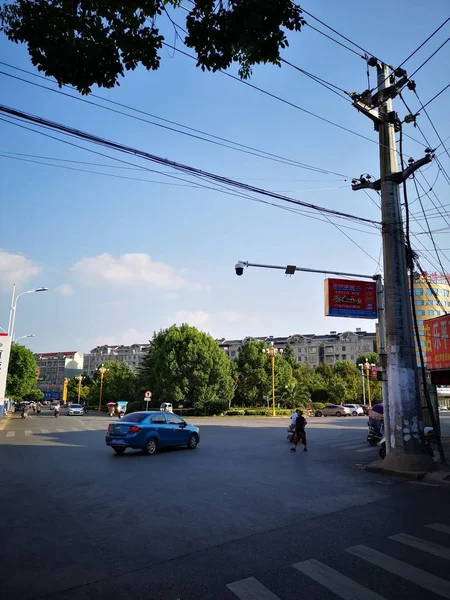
(299, 433)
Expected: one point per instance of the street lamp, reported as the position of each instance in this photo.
(272, 353)
(21, 337)
(361, 366)
(14, 299)
(102, 371)
(367, 366)
(79, 378)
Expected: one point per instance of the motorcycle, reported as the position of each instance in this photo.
(24, 413)
(429, 438)
(56, 413)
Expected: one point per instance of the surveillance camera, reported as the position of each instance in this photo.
(239, 268)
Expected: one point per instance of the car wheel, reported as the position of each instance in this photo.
(354, 413)
(318, 413)
(338, 413)
(382, 452)
(118, 449)
(192, 442)
(151, 447)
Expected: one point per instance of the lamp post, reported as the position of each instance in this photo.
(23, 336)
(13, 311)
(367, 366)
(79, 378)
(361, 366)
(272, 353)
(102, 370)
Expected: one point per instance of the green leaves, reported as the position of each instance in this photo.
(91, 43)
(22, 372)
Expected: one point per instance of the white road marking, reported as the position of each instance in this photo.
(370, 449)
(425, 580)
(353, 446)
(339, 584)
(439, 527)
(430, 547)
(45, 431)
(10, 433)
(251, 589)
(28, 432)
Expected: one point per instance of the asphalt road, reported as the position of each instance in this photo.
(240, 517)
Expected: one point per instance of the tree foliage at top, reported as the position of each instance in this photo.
(22, 373)
(186, 366)
(93, 42)
(119, 384)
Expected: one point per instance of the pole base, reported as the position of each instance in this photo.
(409, 463)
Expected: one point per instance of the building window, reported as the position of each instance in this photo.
(421, 312)
(344, 357)
(343, 348)
(430, 313)
(420, 323)
(418, 291)
(419, 302)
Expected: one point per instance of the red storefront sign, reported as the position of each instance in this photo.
(350, 298)
(437, 342)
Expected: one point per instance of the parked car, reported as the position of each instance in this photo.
(75, 409)
(333, 410)
(442, 407)
(365, 409)
(355, 409)
(150, 430)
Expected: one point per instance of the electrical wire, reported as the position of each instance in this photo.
(241, 147)
(424, 42)
(436, 96)
(431, 122)
(177, 166)
(326, 84)
(429, 58)
(334, 40)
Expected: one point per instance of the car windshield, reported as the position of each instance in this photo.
(136, 417)
(76, 406)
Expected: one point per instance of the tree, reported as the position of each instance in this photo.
(254, 386)
(22, 372)
(72, 390)
(289, 356)
(186, 366)
(34, 395)
(119, 383)
(86, 43)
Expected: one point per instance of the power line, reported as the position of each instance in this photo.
(429, 58)
(326, 84)
(431, 122)
(436, 96)
(241, 147)
(424, 42)
(177, 166)
(334, 40)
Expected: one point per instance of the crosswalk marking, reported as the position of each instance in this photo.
(28, 432)
(10, 433)
(251, 589)
(439, 527)
(339, 584)
(45, 431)
(423, 545)
(425, 580)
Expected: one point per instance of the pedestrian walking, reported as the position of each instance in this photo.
(299, 433)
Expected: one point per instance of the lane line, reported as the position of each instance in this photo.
(45, 431)
(353, 446)
(28, 432)
(370, 449)
(425, 580)
(339, 584)
(10, 433)
(414, 542)
(439, 527)
(251, 589)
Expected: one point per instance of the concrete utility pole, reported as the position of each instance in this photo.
(406, 451)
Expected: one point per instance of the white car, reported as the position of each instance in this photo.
(442, 407)
(355, 409)
(75, 409)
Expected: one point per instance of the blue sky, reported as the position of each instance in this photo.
(123, 258)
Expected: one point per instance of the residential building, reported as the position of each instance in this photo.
(313, 349)
(431, 299)
(131, 355)
(54, 367)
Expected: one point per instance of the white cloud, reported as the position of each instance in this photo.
(127, 337)
(15, 268)
(217, 323)
(65, 289)
(129, 270)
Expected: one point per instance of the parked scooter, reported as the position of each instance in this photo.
(376, 431)
(428, 436)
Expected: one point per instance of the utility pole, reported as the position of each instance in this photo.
(406, 451)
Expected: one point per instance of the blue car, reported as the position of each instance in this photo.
(149, 431)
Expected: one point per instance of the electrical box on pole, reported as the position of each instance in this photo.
(405, 426)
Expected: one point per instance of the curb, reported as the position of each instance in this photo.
(377, 467)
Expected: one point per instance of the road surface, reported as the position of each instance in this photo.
(241, 517)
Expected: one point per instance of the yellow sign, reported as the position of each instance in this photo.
(64, 390)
